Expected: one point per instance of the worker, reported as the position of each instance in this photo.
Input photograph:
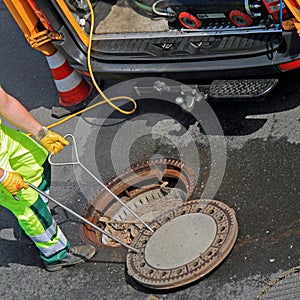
(22, 159)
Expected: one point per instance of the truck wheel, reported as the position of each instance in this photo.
(240, 19)
(189, 21)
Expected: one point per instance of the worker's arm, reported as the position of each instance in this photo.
(12, 110)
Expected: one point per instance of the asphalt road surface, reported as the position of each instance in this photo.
(249, 160)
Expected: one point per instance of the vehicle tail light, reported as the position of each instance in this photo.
(290, 65)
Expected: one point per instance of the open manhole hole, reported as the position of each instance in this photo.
(185, 245)
(149, 189)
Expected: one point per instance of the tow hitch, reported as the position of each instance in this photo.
(188, 96)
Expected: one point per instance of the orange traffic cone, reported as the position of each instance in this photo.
(72, 87)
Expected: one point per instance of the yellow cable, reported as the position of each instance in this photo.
(109, 101)
(106, 100)
(79, 112)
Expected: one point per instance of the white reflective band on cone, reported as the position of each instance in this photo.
(56, 60)
(68, 83)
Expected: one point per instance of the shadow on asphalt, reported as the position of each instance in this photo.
(18, 249)
(234, 116)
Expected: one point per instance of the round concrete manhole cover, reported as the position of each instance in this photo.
(186, 244)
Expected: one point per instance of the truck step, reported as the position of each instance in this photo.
(245, 88)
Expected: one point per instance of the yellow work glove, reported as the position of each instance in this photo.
(13, 182)
(52, 141)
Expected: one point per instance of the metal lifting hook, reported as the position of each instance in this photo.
(77, 162)
(81, 218)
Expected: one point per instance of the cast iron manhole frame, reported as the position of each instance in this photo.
(103, 204)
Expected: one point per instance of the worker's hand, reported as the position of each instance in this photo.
(13, 182)
(52, 141)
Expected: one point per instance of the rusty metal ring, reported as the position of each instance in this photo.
(141, 180)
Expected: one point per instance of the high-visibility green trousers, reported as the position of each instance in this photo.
(20, 153)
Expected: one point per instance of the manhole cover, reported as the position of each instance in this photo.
(187, 243)
(149, 189)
